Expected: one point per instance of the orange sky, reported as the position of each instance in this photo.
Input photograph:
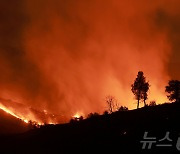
(67, 56)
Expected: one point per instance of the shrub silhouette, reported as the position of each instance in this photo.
(152, 103)
(92, 115)
(105, 113)
(76, 119)
(123, 108)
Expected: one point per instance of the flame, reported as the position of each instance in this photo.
(13, 114)
(21, 117)
(77, 115)
(30, 115)
(52, 123)
(71, 57)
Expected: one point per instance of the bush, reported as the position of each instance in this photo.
(105, 113)
(75, 119)
(123, 108)
(92, 115)
(152, 103)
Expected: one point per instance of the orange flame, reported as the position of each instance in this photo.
(13, 114)
(37, 119)
(77, 115)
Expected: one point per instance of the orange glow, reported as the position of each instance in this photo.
(61, 57)
(23, 118)
(36, 118)
(77, 115)
(11, 113)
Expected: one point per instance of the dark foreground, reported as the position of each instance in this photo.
(120, 132)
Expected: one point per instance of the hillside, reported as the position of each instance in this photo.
(120, 131)
(11, 125)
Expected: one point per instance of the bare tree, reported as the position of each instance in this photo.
(117, 106)
(111, 102)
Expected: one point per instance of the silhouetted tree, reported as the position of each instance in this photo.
(152, 103)
(111, 102)
(92, 115)
(144, 92)
(123, 108)
(105, 113)
(76, 119)
(73, 120)
(81, 118)
(140, 88)
(173, 89)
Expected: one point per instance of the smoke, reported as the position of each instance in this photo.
(66, 56)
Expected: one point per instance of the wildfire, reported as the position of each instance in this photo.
(78, 115)
(11, 113)
(30, 118)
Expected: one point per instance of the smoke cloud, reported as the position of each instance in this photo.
(66, 56)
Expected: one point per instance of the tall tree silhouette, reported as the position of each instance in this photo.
(140, 88)
(173, 89)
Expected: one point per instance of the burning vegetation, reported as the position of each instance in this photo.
(60, 57)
